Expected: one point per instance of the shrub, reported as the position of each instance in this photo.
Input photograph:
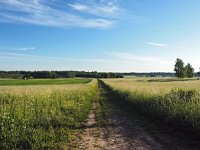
(182, 94)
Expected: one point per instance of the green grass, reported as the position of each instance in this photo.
(43, 82)
(43, 120)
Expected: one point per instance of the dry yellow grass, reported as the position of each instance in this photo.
(176, 103)
(152, 85)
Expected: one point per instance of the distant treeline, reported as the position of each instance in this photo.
(150, 74)
(155, 74)
(58, 74)
(82, 74)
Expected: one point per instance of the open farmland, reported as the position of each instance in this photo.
(14, 82)
(42, 117)
(173, 102)
(129, 113)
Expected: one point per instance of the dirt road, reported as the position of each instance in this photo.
(110, 128)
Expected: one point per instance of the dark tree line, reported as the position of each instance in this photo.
(150, 74)
(82, 74)
(181, 71)
(58, 74)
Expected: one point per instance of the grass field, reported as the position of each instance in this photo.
(43, 116)
(40, 116)
(43, 82)
(170, 101)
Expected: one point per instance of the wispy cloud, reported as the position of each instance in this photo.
(105, 9)
(130, 56)
(156, 44)
(111, 61)
(183, 47)
(137, 58)
(17, 49)
(36, 58)
(59, 14)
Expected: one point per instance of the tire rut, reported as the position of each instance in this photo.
(119, 132)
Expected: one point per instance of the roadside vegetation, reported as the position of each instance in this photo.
(43, 117)
(171, 102)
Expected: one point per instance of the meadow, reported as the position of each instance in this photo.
(174, 103)
(43, 116)
(13, 82)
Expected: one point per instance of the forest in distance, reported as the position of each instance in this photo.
(82, 74)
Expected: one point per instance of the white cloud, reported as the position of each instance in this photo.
(17, 49)
(50, 13)
(95, 9)
(156, 44)
(79, 7)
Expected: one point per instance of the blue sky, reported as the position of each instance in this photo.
(99, 35)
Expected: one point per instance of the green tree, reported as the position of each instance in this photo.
(179, 68)
(26, 76)
(53, 75)
(189, 71)
(71, 74)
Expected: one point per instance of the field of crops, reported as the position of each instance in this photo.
(172, 102)
(14, 82)
(42, 116)
(45, 116)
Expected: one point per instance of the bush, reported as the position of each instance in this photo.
(182, 95)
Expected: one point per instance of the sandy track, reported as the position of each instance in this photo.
(121, 133)
(109, 127)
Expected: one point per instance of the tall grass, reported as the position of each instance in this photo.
(176, 104)
(42, 117)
